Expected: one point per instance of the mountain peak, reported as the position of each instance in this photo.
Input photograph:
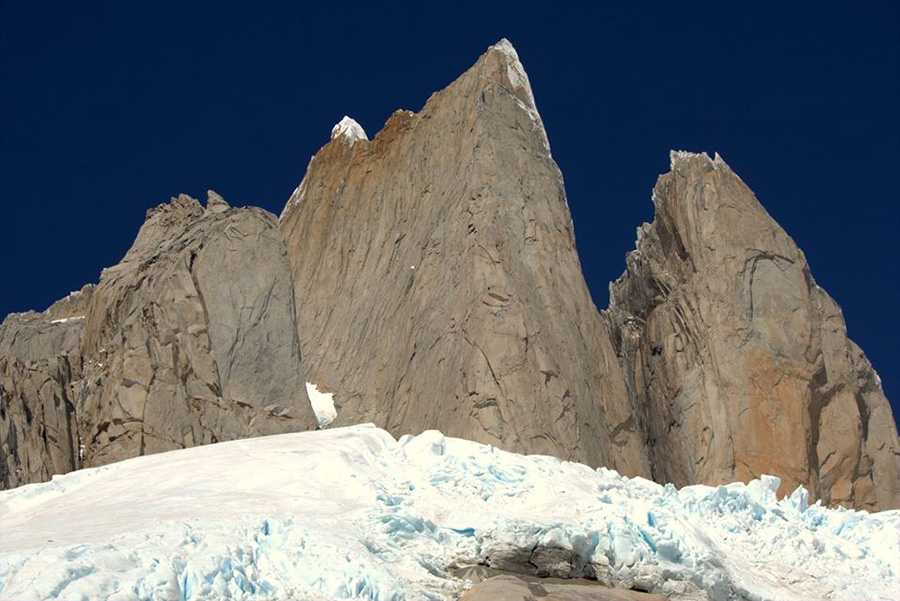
(681, 156)
(511, 74)
(429, 279)
(349, 131)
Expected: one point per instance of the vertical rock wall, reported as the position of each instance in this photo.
(40, 359)
(438, 285)
(429, 278)
(191, 338)
(738, 362)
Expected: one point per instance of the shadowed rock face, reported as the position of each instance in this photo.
(191, 339)
(738, 362)
(438, 285)
(40, 358)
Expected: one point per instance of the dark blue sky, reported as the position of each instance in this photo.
(109, 108)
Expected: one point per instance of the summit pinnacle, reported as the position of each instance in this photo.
(429, 279)
(348, 130)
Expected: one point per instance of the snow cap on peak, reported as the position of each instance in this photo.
(349, 130)
(677, 156)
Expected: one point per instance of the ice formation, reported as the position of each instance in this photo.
(352, 513)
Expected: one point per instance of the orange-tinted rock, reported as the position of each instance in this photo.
(438, 285)
(738, 362)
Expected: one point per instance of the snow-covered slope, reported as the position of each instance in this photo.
(352, 513)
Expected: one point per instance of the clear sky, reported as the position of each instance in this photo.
(110, 108)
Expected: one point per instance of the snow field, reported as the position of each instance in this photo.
(350, 513)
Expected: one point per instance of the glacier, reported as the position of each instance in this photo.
(352, 513)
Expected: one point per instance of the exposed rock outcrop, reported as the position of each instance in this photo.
(429, 278)
(40, 358)
(438, 285)
(514, 587)
(191, 338)
(738, 363)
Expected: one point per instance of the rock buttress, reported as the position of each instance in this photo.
(438, 284)
(739, 363)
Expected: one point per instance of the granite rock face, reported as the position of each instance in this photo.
(40, 359)
(429, 279)
(438, 285)
(191, 338)
(738, 363)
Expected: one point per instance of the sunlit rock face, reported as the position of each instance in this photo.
(738, 363)
(40, 359)
(437, 282)
(190, 339)
(428, 278)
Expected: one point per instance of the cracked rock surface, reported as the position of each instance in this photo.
(40, 358)
(438, 285)
(429, 279)
(737, 362)
(191, 339)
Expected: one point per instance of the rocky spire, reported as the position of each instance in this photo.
(429, 279)
(215, 203)
(438, 286)
(738, 363)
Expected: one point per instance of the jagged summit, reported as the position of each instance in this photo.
(736, 361)
(215, 203)
(349, 131)
(509, 73)
(429, 279)
(445, 251)
(434, 288)
(678, 156)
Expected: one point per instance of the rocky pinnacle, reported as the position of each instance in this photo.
(438, 286)
(429, 278)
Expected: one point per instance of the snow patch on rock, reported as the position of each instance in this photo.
(322, 404)
(68, 319)
(518, 81)
(677, 156)
(349, 131)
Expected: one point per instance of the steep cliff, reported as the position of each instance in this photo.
(438, 285)
(191, 339)
(429, 279)
(40, 359)
(738, 363)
